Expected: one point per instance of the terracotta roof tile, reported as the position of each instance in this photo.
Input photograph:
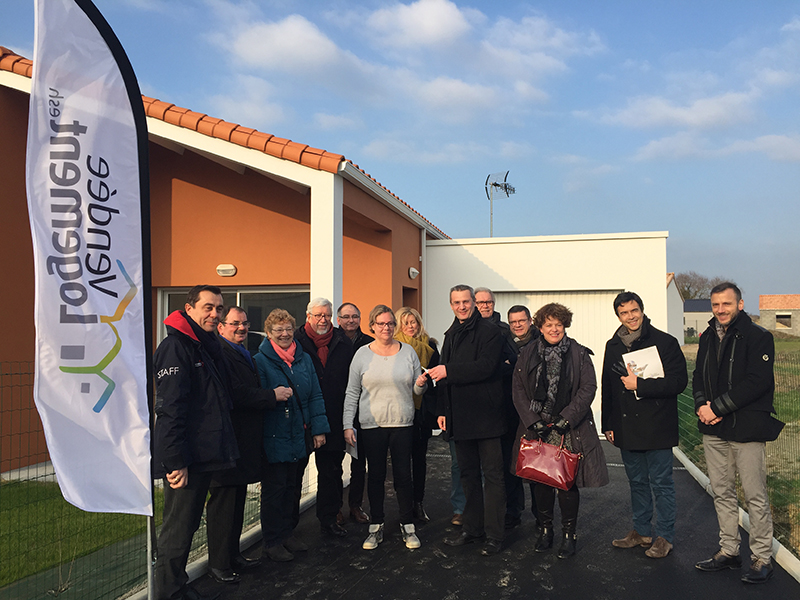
(285, 149)
(779, 302)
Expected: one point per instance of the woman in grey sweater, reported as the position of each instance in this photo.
(383, 375)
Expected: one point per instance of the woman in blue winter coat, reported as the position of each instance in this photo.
(281, 361)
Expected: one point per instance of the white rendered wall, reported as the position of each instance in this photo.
(584, 272)
(675, 311)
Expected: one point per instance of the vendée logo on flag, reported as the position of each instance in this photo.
(85, 266)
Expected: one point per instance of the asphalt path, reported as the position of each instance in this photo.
(338, 568)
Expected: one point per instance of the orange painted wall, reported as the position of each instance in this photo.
(404, 247)
(21, 437)
(204, 214)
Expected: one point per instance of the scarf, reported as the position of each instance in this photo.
(628, 337)
(286, 355)
(521, 342)
(321, 341)
(420, 346)
(552, 357)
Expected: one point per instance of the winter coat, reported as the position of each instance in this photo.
(332, 380)
(284, 431)
(737, 376)
(250, 401)
(579, 373)
(651, 422)
(193, 425)
(471, 396)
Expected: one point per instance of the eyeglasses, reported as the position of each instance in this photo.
(519, 322)
(484, 302)
(237, 323)
(348, 317)
(278, 331)
(388, 325)
(321, 317)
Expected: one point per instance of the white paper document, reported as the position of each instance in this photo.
(645, 363)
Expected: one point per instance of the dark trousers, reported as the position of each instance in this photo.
(378, 443)
(329, 485)
(515, 491)
(486, 501)
(183, 508)
(224, 520)
(279, 501)
(419, 452)
(358, 475)
(568, 503)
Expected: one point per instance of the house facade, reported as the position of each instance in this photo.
(780, 312)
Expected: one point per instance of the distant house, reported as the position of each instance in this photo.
(780, 312)
(696, 315)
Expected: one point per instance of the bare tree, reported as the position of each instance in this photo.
(693, 285)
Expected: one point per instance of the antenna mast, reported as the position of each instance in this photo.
(496, 181)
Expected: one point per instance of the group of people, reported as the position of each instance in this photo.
(226, 419)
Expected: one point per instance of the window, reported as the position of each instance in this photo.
(783, 320)
(257, 303)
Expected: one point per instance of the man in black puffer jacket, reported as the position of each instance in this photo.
(193, 434)
(640, 416)
(734, 385)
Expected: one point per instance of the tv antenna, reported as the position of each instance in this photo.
(496, 181)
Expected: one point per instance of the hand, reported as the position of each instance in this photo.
(319, 441)
(541, 429)
(422, 380)
(442, 422)
(630, 381)
(707, 416)
(282, 394)
(609, 436)
(561, 426)
(350, 437)
(179, 478)
(438, 372)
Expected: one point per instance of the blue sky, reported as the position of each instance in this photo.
(610, 116)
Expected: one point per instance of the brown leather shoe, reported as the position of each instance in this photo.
(457, 520)
(340, 520)
(632, 540)
(358, 515)
(659, 549)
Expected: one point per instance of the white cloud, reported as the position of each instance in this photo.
(678, 146)
(516, 150)
(248, 103)
(404, 151)
(776, 147)
(569, 159)
(455, 100)
(535, 34)
(654, 111)
(775, 78)
(793, 25)
(422, 23)
(328, 122)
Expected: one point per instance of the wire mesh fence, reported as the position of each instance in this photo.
(50, 549)
(783, 455)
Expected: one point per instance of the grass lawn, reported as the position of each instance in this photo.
(39, 529)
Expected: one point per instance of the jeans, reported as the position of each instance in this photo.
(378, 442)
(457, 498)
(650, 474)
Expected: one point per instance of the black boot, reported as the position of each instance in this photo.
(570, 537)
(545, 540)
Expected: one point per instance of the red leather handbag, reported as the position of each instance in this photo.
(544, 463)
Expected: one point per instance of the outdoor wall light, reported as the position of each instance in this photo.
(413, 273)
(226, 270)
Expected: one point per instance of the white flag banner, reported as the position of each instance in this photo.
(86, 139)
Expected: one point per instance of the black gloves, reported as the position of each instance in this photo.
(541, 429)
(561, 426)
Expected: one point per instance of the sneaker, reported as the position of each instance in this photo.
(659, 549)
(409, 536)
(374, 538)
(719, 562)
(632, 539)
(760, 572)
